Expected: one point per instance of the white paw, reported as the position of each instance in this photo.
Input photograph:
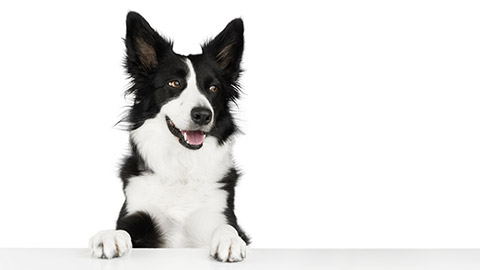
(227, 246)
(110, 244)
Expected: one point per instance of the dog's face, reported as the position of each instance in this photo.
(191, 93)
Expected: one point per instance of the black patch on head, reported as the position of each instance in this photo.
(219, 65)
(151, 64)
(208, 73)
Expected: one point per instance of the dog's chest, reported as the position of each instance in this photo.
(186, 212)
(181, 181)
(173, 201)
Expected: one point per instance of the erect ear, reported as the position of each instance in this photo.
(144, 45)
(227, 47)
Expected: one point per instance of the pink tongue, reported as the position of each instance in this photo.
(194, 137)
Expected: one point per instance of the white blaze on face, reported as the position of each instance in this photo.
(179, 109)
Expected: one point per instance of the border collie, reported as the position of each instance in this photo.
(179, 177)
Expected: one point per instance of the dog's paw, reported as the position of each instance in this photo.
(110, 244)
(227, 246)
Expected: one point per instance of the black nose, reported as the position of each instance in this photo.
(201, 115)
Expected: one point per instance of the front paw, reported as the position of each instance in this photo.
(227, 246)
(110, 244)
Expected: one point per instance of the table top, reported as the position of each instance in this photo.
(325, 259)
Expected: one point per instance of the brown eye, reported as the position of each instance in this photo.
(213, 88)
(174, 84)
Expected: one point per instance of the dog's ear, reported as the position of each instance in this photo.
(227, 48)
(144, 45)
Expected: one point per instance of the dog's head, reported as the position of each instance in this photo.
(190, 94)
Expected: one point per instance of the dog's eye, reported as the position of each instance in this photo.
(174, 84)
(213, 88)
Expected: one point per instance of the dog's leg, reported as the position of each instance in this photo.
(110, 244)
(143, 229)
(226, 245)
(137, 230)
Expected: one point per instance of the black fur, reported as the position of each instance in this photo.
(142, 229)
(230, 181)
(132, 165)
(151, 63)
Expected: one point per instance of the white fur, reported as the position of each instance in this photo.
(227, 245)
(109, 244)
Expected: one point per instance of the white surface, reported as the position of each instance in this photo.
(361, 119)
(288, 259)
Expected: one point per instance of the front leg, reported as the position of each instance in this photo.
(227, 245)
(137, 230)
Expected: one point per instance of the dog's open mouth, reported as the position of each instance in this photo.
(191, 139)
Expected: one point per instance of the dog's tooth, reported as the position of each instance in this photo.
(185, 136)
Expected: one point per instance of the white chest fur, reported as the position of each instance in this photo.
(182, 192)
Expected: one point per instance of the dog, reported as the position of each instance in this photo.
(179, 177)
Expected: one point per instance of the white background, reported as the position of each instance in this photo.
(361, 119)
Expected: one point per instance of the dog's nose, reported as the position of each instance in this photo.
(201, 116)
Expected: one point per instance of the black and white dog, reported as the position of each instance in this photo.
(179, 177)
